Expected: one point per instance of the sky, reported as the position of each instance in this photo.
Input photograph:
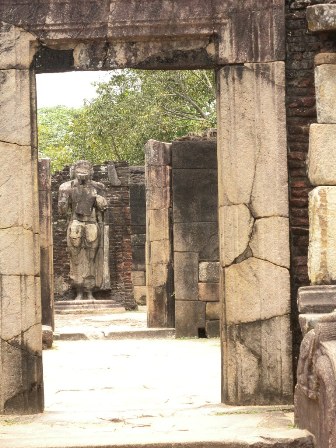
(67, 89)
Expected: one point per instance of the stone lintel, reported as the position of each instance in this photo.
(235, 32)
(317, 299)
(321, 18)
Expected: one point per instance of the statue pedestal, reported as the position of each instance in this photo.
(84, 306)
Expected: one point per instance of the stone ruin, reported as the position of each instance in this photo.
(192, 283)
(264, 56)
(115, 177)
(182, 243)
(49, 36)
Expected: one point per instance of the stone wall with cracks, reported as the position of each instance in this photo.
(254, 234)
(21, 386)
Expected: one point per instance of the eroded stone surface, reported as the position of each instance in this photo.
(322, 154)
(146, 26)
(16, 184)
(21, 386)
(321, 17)
(325, 88)
(322, 236)
(47, 337)
(186, 275)
(253, 177)
(253, 94)
(201, 237)
(190, 318)
(317, 299)
(208, 292)
(138, 278)
(159, 273)
(235, 231)
(140, 293)
(17, 47)
(15, 126)
(208, 271)
(258, 367)
(213, 310)
(256, 290)
(265, 232)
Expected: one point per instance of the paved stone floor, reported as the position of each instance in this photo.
(142, 392)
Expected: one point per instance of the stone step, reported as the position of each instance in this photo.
(221, 429)
(85, 306)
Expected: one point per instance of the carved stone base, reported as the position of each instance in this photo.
(317, 299)
(315, 392)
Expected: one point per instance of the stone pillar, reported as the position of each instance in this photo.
(196, 245)
(46, 243)
(254, 236)
(21, 386)
(159, 269)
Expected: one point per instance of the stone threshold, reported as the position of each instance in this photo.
(215, 426)
(117, 333)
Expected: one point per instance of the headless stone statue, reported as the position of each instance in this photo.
(82, 201)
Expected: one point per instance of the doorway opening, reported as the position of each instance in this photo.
(127, 189)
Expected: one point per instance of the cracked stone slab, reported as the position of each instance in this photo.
(21, 307)
(22, 381)
(265, 232)
(322, 236)
(16, 184)
(18, 254)
(236, 223)
(15, 125)
(258, 367)
(321, 160)
(252, 138)
(256, 290)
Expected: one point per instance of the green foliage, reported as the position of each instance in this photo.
(131, 108)
(54, 125)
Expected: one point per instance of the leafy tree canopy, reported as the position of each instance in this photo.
(131, 108)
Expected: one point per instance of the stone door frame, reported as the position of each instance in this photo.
(244, 42)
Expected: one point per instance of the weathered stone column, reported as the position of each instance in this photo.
(254, 237)
(21, 386)
(46, 243)
(159, 269)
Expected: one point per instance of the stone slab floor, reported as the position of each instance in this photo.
(148, 392)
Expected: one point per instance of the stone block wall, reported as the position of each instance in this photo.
(195, 245)
(46, 243)
(138, 232)
(119, 219)
(301, 49)
(159, 253)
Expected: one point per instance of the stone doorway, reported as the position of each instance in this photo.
(244, 43)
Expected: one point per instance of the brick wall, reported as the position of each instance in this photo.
(138, 231)
(119, 219)
(301, 47)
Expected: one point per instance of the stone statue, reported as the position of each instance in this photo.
(82, 201)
